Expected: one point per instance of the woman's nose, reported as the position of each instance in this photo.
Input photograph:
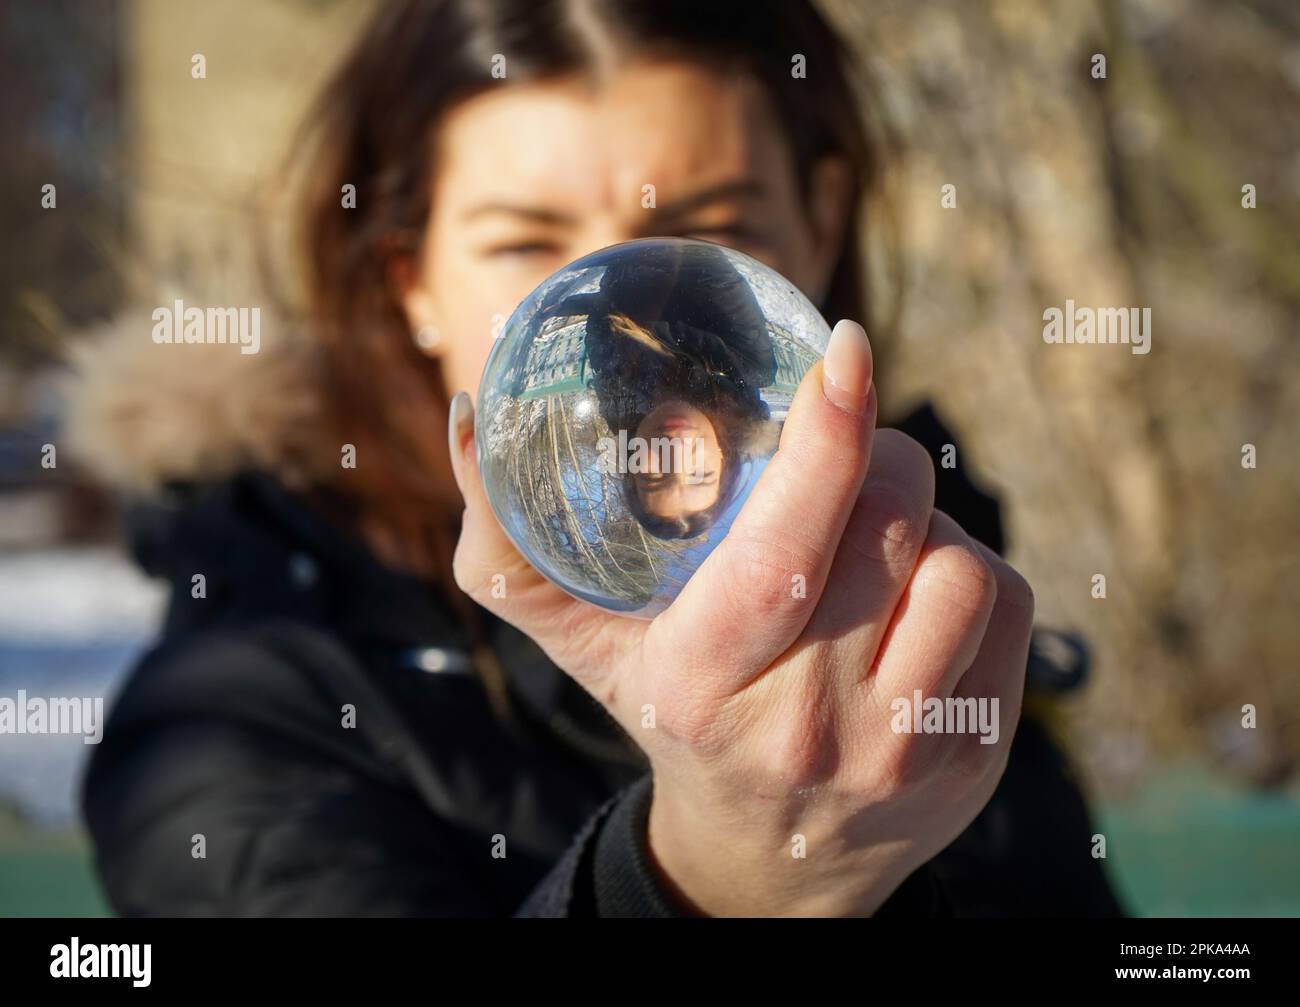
(602, 233)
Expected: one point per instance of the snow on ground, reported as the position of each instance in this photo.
(72, 622)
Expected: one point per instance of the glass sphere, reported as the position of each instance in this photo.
(629, 406)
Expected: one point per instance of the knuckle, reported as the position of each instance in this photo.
(960, 575)
(1013, 611)
(967, 569)
(892, 523)
(762, 572)
(1015, 592)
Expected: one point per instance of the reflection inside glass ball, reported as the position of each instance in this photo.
(681, 480)
(629, 406)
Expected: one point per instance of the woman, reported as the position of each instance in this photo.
(330, 726)
(679, 352)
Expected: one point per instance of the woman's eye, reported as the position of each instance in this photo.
(523, 249)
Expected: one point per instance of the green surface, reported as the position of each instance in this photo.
(1190, 844)
(46, 873)
(49, 884)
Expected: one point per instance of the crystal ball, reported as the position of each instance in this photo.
(628, 407)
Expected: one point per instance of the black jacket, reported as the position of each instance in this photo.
(285, 751)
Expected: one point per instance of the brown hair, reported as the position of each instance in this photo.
(374, 127)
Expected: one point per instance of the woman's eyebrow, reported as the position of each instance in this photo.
(536, 214)
(737, 189)
(740, 188)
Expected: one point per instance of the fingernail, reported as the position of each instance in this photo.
(460, 425)
(846, 369)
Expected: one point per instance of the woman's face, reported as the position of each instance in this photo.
(533, 176)
(683, 474)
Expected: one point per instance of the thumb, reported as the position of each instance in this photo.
(757, 590)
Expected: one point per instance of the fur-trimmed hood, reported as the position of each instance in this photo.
(142, 414)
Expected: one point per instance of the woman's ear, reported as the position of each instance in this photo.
(416, 299)
(829, 199)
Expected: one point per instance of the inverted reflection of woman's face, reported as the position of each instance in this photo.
(684, 462)
(531, 176)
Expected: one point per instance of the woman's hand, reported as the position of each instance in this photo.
(767, 695)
